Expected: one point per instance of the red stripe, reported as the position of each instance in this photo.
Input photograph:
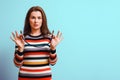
(53, 61)
(18, 57)
(49, 78)
(16, 63)
(42, 40)
(53, 55)
(37, 70)
(36, 53)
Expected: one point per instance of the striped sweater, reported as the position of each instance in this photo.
(34, 62)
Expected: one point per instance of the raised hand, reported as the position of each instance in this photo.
(18, 39)
(56, 39)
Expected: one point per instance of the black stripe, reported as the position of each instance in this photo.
(38, 65)
(35, 76)
(19, 53)
(37, 51)
(37, 45)
(40, 38)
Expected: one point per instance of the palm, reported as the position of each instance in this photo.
(18, 39)
(56, 39)
(19, 42)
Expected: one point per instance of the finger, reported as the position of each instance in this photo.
(12, 39)
(58, 33)
(20, 31)
(52, 33)
(16, 34)
(13, 35)
(61, 38)
(21, 36)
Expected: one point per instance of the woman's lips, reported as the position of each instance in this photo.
(36, 25)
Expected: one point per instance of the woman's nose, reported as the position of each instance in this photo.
(36, 20)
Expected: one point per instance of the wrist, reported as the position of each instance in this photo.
(53, 51)
(52, 48)
(20, 49)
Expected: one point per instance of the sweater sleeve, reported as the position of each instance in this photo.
(53, 55)
(18, 57)
(53, 59)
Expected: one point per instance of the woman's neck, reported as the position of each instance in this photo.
(35, 32)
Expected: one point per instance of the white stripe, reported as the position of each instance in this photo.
(41, 72)
(44, 42)
(31, 47)
(36, 55)
(36, 60)
(35, 68)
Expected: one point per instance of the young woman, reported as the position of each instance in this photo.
(35, 49)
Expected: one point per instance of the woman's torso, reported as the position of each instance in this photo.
(36, 55)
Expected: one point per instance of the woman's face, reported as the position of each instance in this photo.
(35, 20)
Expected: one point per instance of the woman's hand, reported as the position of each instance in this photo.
(18, 39)
(56, 39)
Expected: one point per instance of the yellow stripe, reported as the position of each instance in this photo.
(35, 63)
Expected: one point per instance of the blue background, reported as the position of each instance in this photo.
(91, 29)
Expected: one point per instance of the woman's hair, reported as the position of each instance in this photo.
(44, 28)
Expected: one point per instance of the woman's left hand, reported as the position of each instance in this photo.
(56, 39)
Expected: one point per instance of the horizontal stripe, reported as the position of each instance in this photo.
(35, 43)
(17, 63)
(35, 58)
(45, 47)
(36, 53)
(34, 68)
(26, 51)
(19, 58)
(53, 56)
(39, 60)
(37, 37)
(31, 76)
(36, 73)
(37, 65)
(38, 40)
(19, 53)
(53, 62)
(35, 78)
(37, 70)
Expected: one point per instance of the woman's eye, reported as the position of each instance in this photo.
(39, 17)
(32, 17)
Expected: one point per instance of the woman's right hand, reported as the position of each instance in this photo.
(18, 39)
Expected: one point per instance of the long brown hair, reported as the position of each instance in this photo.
(44, 28)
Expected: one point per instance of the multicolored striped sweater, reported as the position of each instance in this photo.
(34, 62)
